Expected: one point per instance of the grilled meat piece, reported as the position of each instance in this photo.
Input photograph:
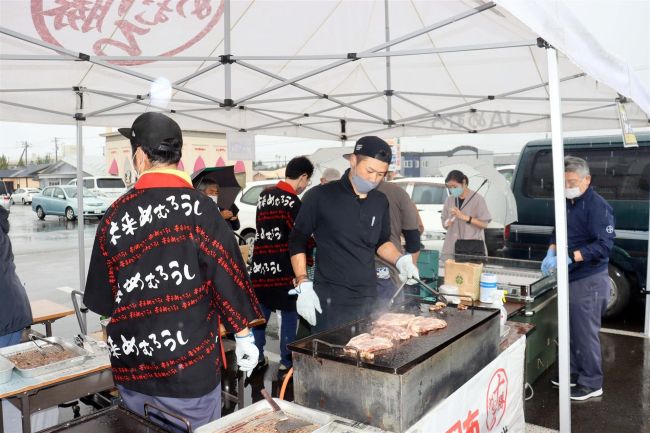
(367, 345)
(422, 325)
(393, 332)
(394, 319)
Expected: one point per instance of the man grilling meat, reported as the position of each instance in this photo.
(168, 272)
(350, 222)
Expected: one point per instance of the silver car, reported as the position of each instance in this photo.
(5, 197)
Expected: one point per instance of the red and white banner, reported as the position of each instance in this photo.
(490, 402)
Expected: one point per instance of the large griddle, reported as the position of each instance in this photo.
(404, 355)
(400, 385)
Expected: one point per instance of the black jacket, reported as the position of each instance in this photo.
(15, 312)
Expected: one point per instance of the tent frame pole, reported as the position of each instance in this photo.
(557, 146)
(79, 117)
(312, 91)
(409, 36)
(389, 91)
(646, 324)
(81, 56)
(491, 97)
(226, 51)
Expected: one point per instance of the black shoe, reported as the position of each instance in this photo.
(573, 381)
(582, 393)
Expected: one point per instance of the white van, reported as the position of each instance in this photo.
(108, 188)
(429, 195)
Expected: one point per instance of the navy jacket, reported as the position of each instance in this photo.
(590, 229)
(15, 312)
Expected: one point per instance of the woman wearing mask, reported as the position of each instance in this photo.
(465, 214)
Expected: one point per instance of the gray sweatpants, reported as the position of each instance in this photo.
(198, 411)
(587, 303)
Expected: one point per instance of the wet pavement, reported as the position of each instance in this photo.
(625, 404)
(46, 257)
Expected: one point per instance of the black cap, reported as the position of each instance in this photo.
(373, 147)
(152, 130)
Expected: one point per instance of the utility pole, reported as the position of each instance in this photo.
(25, 145)
(56, 149)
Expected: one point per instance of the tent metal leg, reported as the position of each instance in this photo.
(80, 189)
(226, 51)
(389, 91)
(561, 239)
(646, 326)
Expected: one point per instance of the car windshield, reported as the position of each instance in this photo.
(110, 183)
(72, 192)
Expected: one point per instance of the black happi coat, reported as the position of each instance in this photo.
(167, 272)
(272, 275)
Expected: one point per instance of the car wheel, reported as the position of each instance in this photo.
(40, 213)
(248, 238)
(23, 200)
(12, 201)
(620, 294)
(69, 214)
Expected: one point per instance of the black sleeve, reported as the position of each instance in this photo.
(305, 224)
(225, 268)
(385, 227)
(234, 209)
(412, 238)
(234, 224)
(98, 294)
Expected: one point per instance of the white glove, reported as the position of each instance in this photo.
(307, 303)
(407, 270)
(247, 353)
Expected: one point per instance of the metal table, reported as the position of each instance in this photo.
(49, 390)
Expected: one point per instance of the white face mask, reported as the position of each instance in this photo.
(572, 193)
(215, 198)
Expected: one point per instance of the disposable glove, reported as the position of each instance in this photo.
(307, 303)
(549, 263)
(247, 353)
(407, 270)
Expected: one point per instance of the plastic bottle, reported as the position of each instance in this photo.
(498, 298)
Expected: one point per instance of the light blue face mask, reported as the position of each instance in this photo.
(362, 185)
(456, 192)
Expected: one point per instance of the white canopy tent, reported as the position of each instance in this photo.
(324, 69)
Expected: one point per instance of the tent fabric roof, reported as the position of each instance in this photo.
(456, 66)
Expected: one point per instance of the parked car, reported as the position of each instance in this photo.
(246, 201)
(621, 175)
(62, 200)
(108, 188)
(5, 196)
(429, 195)
(24, 195)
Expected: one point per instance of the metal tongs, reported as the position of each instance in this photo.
(33, 339)
(439, 295)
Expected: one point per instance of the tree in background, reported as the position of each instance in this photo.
(4, 162)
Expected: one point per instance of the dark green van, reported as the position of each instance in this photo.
(621, 175)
